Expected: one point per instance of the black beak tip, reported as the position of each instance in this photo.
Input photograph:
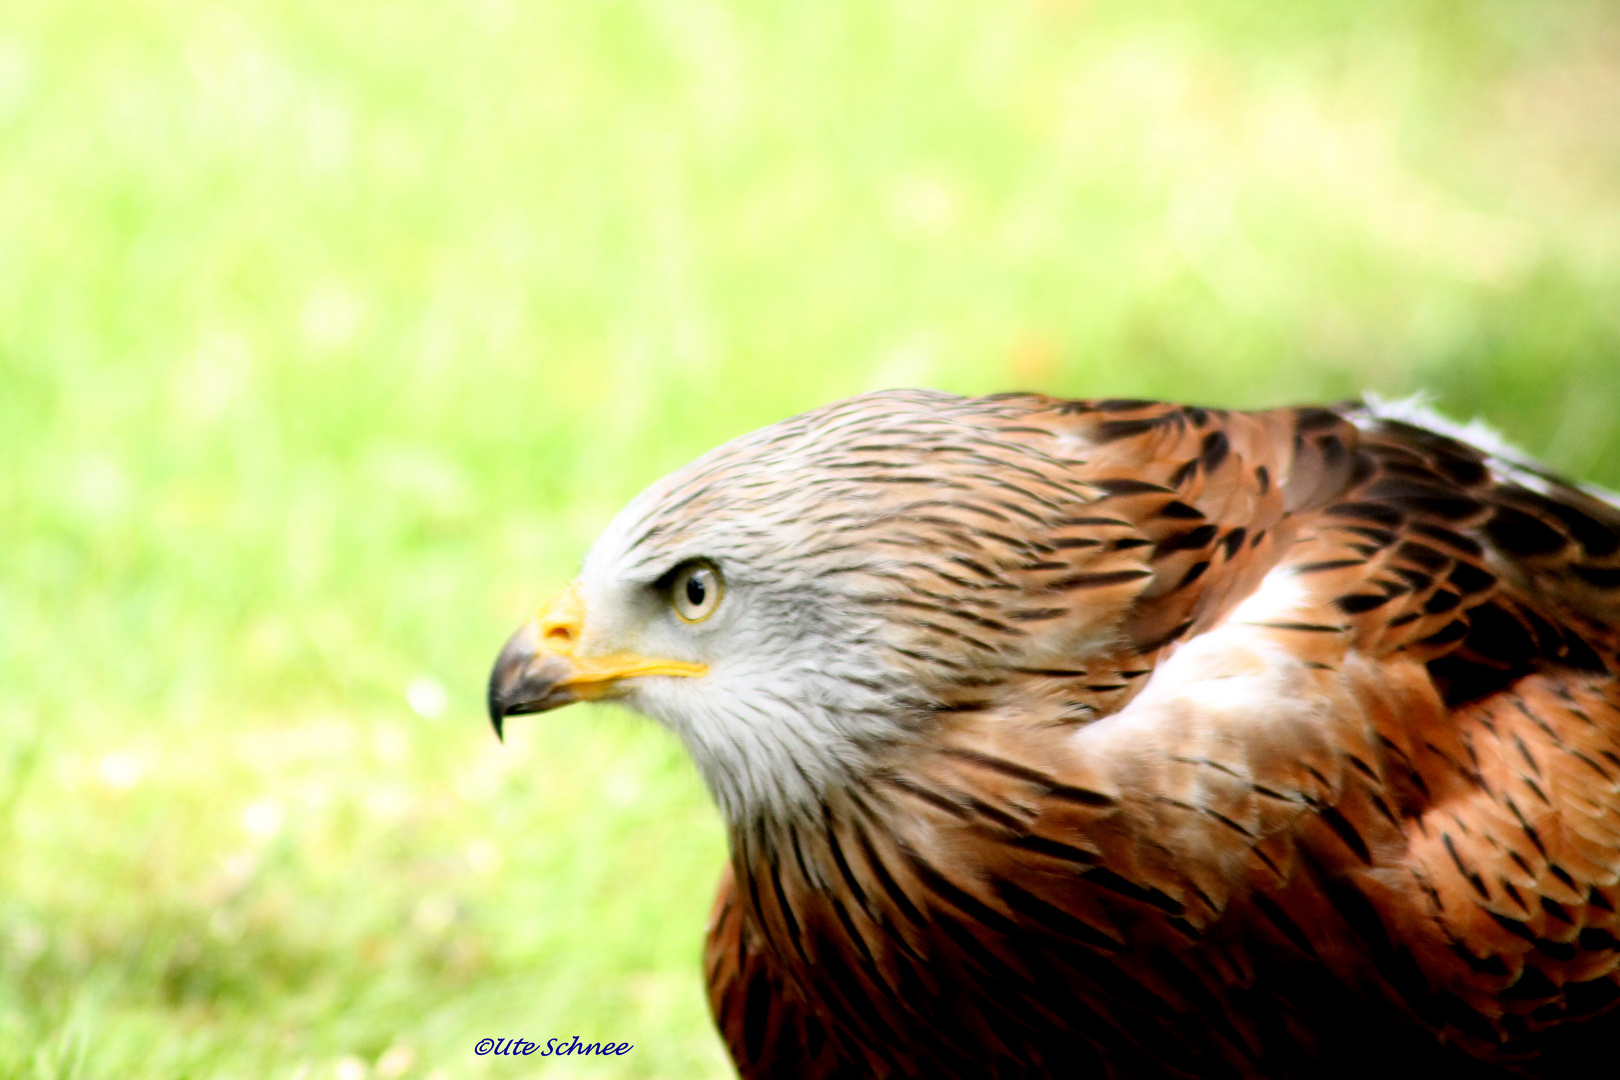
(500, 682)
(524, 680)
(497, 714)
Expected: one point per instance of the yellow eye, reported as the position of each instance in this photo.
(695, 591)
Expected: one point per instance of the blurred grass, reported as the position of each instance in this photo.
(330, 334)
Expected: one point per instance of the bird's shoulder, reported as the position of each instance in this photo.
(1379, 715)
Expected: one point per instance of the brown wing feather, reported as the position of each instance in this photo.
(1390, 796)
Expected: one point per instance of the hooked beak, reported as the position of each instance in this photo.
(542, 668)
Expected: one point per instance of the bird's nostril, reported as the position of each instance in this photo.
(560, 624)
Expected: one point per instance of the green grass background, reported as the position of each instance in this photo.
(331, 333)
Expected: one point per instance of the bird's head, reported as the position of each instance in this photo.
(797, 601)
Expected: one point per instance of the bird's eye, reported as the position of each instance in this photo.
(695, 591)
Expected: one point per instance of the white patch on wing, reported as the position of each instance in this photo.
(1281, 595)
(1233, 710)
(1417, 411)
(1233, 681)
(1506, 460)
(1237, 664)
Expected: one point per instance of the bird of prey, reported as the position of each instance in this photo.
(1121, 739)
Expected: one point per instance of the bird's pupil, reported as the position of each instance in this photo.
(695, 590)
